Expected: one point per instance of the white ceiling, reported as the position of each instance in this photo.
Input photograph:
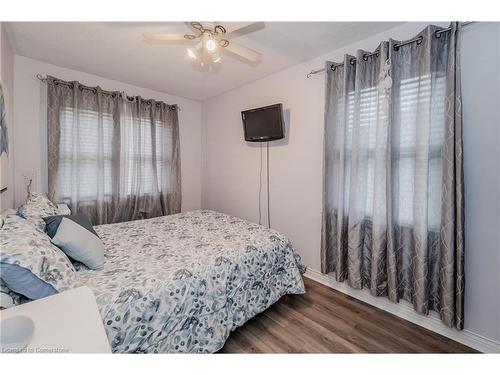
(115, 50)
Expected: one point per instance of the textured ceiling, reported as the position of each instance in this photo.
(115, 50)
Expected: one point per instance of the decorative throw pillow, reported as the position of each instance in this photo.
(10, 298)
(63, 209)
(75, 235)
(22, 280)
(36, 208)
(6, 300)
(5, 213)
(31, 265)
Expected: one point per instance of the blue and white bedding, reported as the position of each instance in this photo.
(182, 283)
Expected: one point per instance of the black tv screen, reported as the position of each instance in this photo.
(263, 124)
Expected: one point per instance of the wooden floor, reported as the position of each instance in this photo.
(326, 321)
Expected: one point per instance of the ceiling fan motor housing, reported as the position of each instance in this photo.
(212, 28)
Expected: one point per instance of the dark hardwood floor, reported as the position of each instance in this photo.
(326, 321)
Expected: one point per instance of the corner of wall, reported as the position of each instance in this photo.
(204, 156)
(7, 78)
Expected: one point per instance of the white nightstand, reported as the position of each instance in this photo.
(67, 322)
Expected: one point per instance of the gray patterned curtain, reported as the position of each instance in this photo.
(112, 157)
(393, 183)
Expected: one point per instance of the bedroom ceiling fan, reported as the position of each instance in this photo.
(211, 40)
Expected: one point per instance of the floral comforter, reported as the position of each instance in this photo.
(182, 283)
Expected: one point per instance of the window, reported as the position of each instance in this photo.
(86, 155)
(140, 172)
(419, 148)
(416, 148)
(83, 146)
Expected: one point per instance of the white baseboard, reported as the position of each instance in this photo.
(405, 310)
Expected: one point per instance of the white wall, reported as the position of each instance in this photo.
(30, 120)
(481, 119)
(7, 78)
(231, 166)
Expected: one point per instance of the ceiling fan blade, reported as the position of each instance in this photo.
(247, 29)
(160, 38)
(244, 52)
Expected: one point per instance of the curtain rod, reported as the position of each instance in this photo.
(111, 93)
(418, 40)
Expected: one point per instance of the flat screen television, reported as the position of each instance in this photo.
(263, 124)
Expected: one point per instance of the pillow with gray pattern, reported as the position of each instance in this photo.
(8, 298)
(33, 266)
(36, 208)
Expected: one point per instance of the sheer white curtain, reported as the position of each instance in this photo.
(85, 154)
(149, 157)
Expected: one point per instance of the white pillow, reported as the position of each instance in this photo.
(74, 235)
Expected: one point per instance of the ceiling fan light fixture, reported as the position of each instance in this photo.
(223, 42)
(197, 25)
(219, 29)
(191, 54)
(211, 42)
(208, 42)
(211, 45)
(216, 56)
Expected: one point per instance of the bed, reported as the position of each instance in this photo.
(182, 283)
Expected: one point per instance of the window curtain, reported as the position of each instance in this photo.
(112, 157)
(393, 183)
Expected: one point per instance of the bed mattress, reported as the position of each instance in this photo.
(182, 283)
